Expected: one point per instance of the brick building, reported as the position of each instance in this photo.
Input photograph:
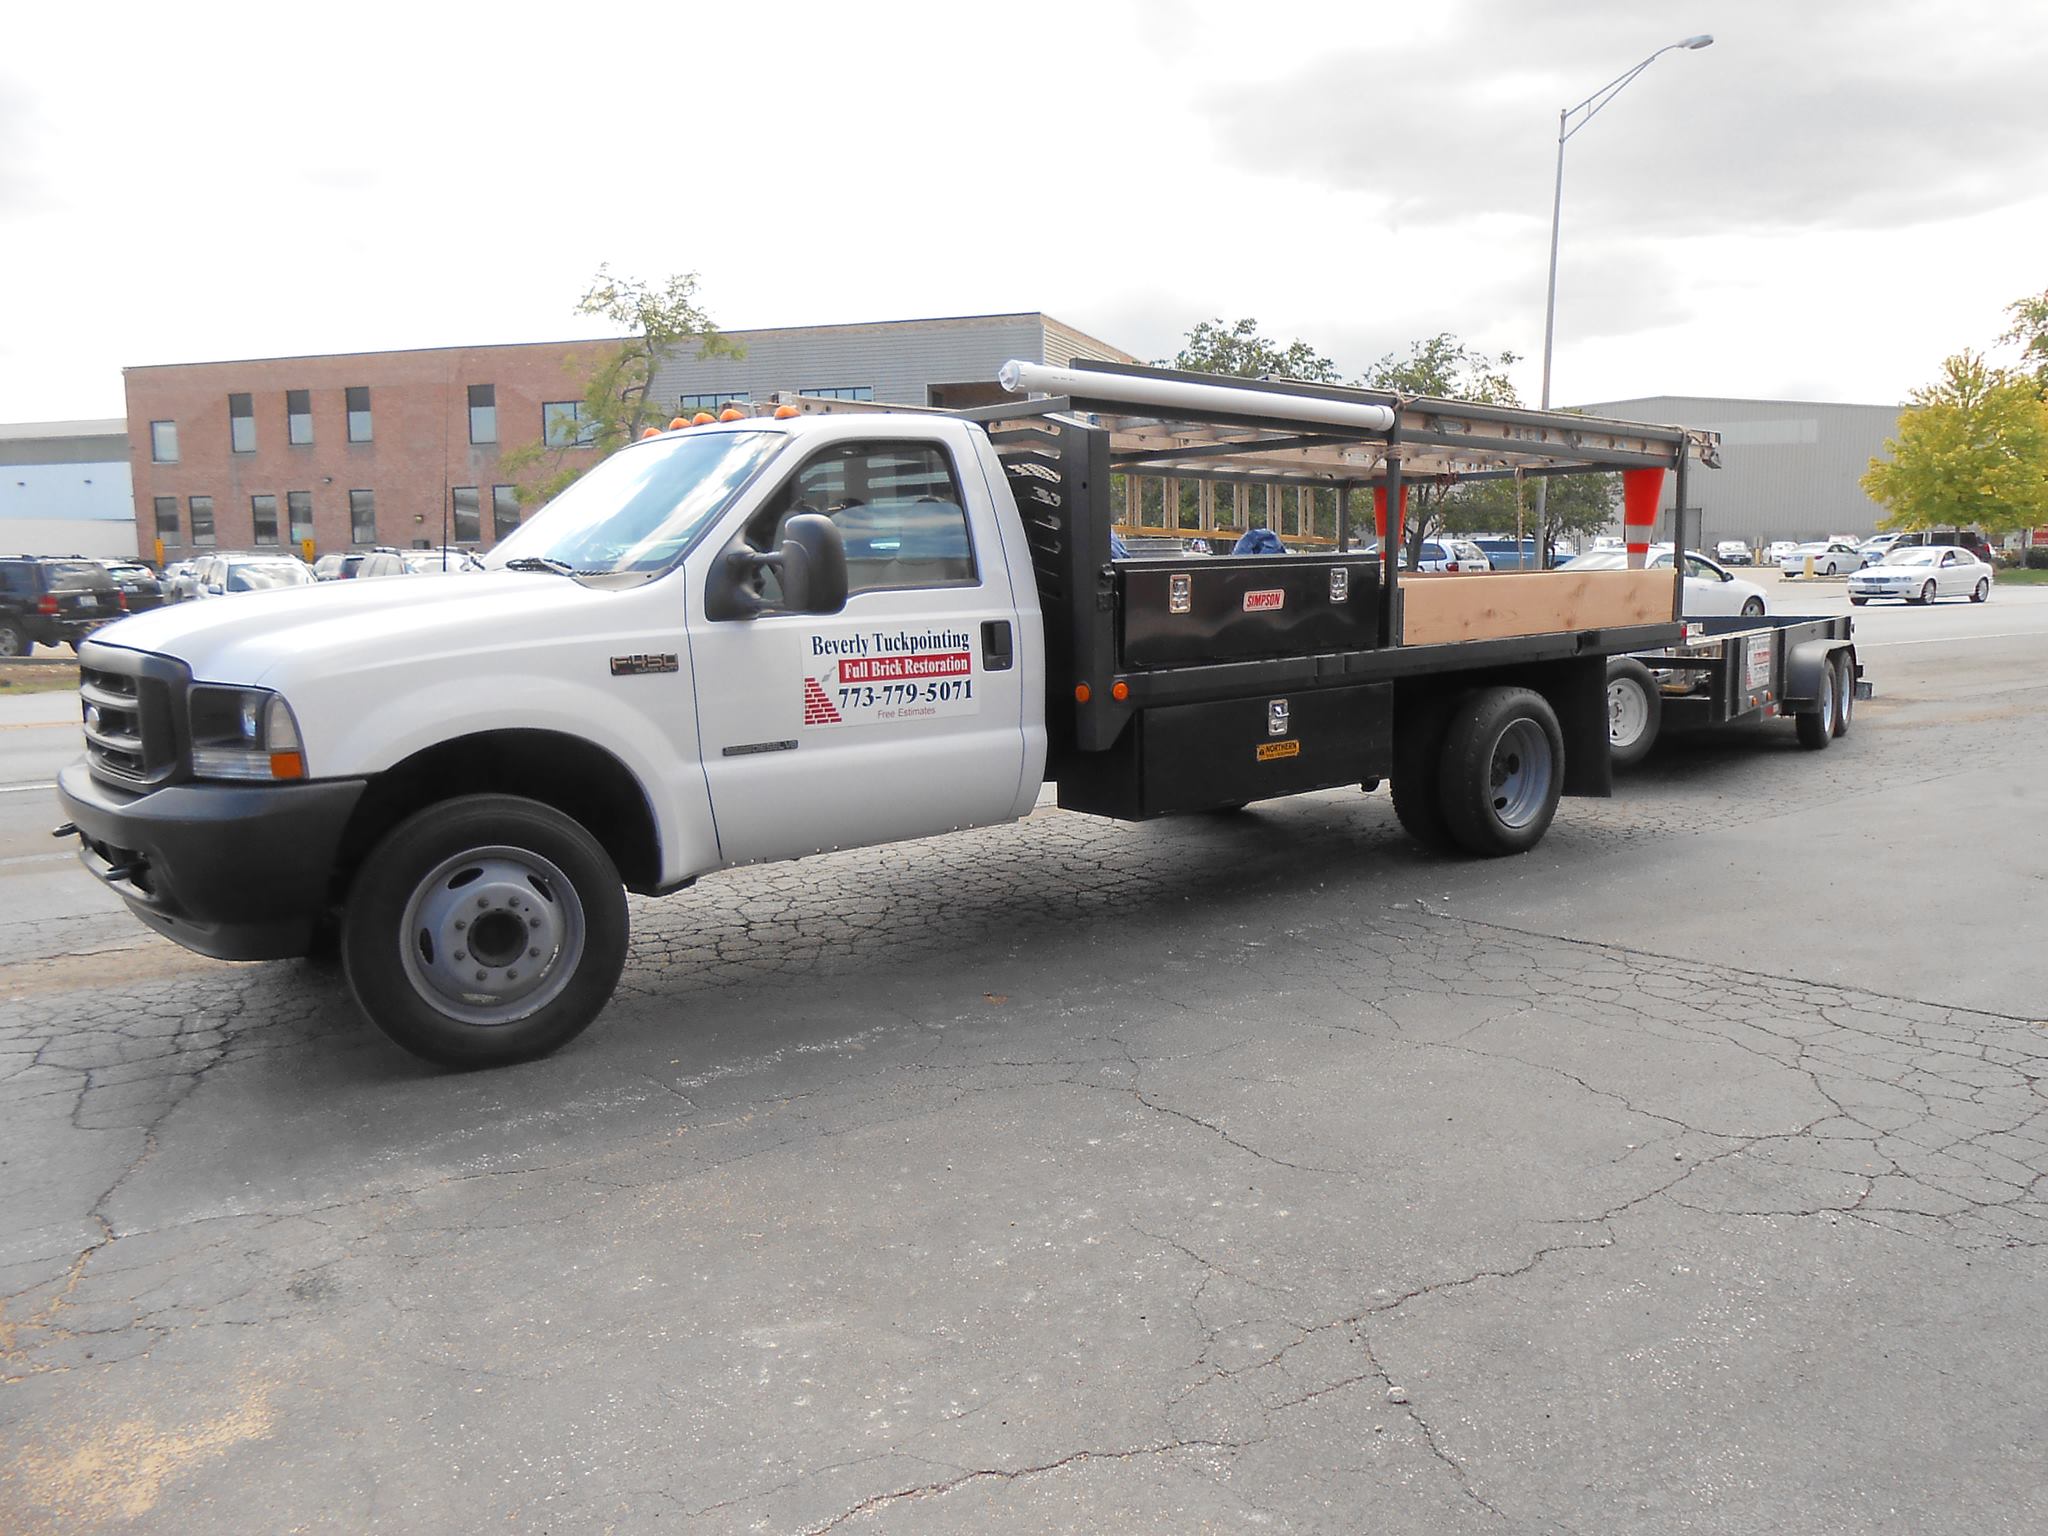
(348, 450)
(370, 448)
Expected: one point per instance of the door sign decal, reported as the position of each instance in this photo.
(880, 676)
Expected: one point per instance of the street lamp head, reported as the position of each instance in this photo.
(1704, 40)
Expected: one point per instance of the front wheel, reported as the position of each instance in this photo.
(1926, 597)
(1858, 602)
(485, 930)
(1753, 609)
(1503, 769)
(1635, 710)
(1982, 590)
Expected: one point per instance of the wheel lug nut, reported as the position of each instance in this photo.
(533, 953)
(460, 955)
(483, 901)
(481, 975)
(511, 901)
(461, 923)
(511, 975)
(533, 922)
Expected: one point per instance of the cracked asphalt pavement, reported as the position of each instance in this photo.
(1216, 1174)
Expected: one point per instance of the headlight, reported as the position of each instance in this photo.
(244, 733)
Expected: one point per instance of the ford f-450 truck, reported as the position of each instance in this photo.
(825, 627)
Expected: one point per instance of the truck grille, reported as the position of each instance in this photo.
(130, 705)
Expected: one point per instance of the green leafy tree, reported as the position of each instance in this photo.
(1443, 367)
(616, 404)
(2029, 332)
(1975, 453)
(1239, 350)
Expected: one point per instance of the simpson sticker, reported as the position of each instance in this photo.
(1265, 601)
(882, 677)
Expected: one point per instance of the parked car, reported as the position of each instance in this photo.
(53, 600)
(1711, 591)
(1733, 552)
(177, 580)
(381, 561)
(1506, 554)
(1877, 546)
(138, 584)
(226, 575)
(1831, 557)
(1439, 555)
(1921, 573)
(1778, 549)
(435, 562)
(1956, 538)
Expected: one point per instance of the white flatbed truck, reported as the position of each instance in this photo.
(828, 627)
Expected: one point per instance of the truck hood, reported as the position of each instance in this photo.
(267, 637)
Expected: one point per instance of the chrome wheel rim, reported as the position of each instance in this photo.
(1983, 590)
(492, 935)
(1520, 773)
(1927, 593)
(1628, 713)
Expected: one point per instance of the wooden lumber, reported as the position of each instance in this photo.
(1441, 609)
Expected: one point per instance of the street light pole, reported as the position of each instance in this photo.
(1585, 111)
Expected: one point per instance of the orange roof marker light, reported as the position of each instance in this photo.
(678, 424)
(784, 412)
(702, 418)
(732, 413)
(650, 432)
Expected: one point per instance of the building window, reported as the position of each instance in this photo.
(843, 392)
(563, 426)
(202, 522)
(263, 518)
(298, 417)
(504, 510)
(358, 413)
(163, 442)
(468, 515)
(241, 424)
(483, 413)
(299, 505)
(362, 517)
(167, 519)
(691, 404)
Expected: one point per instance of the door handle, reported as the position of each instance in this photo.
(996, 652)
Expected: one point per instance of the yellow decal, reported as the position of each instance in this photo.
(1272, 750)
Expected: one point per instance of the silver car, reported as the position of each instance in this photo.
(1922, 573)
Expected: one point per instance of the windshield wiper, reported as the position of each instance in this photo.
(541, 563)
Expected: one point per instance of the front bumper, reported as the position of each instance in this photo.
(235, 871)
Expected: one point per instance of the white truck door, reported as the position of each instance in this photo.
(899, 717)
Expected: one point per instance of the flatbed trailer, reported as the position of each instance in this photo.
(1728, 670)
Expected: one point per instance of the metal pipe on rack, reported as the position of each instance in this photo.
(1174, 394)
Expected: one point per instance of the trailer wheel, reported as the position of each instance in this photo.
(485, 930)
(1503, 768)
(1635, 711)
(1417, 779)
(1845, 692)
(1817, 727)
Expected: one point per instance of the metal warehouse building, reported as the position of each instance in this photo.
(65, 488)
(1789, 468)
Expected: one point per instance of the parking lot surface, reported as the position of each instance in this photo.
(1246, 1173)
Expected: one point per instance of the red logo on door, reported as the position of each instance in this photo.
(1257, 602)
(818, 709)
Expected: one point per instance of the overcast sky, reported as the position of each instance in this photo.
(1821, 205)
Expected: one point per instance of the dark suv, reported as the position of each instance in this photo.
(54, 600)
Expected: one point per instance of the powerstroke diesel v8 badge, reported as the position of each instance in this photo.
(875, 677)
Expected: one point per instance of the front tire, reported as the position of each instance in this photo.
(1503, 769)
(1982, 591)
(1753, 609)
(1858, 602)
(1635, 711)
(485, 930)
(1926, 597)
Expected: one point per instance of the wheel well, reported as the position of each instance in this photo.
(581, 780)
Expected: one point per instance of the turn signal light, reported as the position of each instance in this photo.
(287, 765)
(784, 412)
(1082, 693)
(1119, 690)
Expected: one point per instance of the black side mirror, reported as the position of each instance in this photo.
(809, 566)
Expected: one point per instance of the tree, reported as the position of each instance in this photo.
(1445, 368)
(616, 405)
(2029, 332)
(1240, 351)
(1975, 453)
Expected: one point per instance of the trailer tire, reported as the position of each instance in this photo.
(1503, 769)
(547, 893)
(1417, 777)
(1635, 711)
(1845, 692)
(1816, 728)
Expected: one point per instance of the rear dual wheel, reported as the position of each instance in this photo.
(1482, 774)
(485, 930)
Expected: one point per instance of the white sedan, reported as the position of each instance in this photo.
(1711, 590)
(1922, 573)
(1830, 557)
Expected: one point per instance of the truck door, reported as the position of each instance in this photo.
(900, 716)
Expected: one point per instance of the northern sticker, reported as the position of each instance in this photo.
(1272, 751)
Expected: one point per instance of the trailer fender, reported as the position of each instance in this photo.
(1809, 660)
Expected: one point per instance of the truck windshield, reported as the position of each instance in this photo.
(640, 509)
